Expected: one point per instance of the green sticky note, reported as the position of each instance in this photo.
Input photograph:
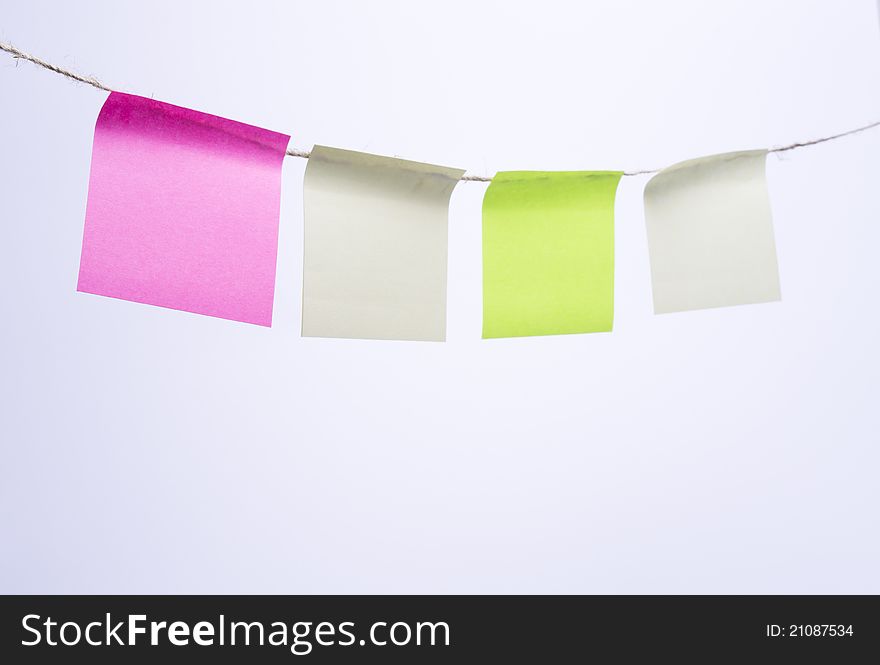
(548, 253)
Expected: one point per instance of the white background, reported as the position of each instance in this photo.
(732, 450)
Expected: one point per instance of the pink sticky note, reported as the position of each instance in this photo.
(183, 210)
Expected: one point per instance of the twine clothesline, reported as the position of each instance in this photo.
(18, 54)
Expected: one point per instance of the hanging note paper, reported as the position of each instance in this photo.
(548, 253)
(375, 246)
(182, 210)
(710, 233)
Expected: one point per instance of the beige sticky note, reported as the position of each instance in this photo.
(375, 246)
(710, 233)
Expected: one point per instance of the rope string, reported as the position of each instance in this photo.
(305, 154)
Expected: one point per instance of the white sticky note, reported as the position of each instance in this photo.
(375, 246)
(710, 233)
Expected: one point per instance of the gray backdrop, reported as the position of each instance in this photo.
(733, 450)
